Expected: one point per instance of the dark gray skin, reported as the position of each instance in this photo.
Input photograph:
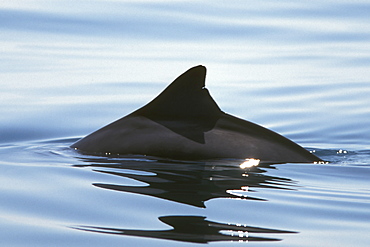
(184, 122)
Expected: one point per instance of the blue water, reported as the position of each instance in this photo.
(69, 68)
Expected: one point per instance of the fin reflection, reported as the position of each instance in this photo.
(195, 229)
(191, 183)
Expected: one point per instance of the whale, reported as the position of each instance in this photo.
(185, 123)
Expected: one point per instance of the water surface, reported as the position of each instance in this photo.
(300, 69)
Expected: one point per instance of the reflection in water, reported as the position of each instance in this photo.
(194, 229)
(191, 183)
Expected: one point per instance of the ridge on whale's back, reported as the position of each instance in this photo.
(184, 122)
(185, 98)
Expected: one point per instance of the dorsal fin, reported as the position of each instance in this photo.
(185, 98)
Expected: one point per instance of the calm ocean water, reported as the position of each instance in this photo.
(69, 68)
